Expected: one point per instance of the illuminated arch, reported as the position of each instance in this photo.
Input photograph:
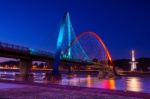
(99, 39)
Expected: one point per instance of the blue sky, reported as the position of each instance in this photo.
(123, 24)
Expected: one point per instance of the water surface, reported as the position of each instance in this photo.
(138, 84)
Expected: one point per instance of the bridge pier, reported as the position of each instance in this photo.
(25, 67)
(69, 68)
(106, 73)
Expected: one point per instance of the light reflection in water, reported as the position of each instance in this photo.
(89, 81)
(134, 84)
(69, 80)
(112, 84)
(109, 84)
(125, 83)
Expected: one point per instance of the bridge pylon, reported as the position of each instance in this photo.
(64, 35)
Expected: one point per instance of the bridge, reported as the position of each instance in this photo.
(20, 52)
(71, 49)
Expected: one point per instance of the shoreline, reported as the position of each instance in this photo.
(85, 89)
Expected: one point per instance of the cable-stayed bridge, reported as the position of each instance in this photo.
(71, 49)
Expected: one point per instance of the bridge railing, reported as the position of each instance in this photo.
(17, 48)
(12, 46)
(40, 52)
(77, 60)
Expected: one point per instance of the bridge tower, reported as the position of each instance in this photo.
(65, 29)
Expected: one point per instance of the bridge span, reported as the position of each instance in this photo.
(20, 52)
(27, 55)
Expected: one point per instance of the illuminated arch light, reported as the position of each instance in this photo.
(99, 39)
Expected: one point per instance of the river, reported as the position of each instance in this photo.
(138, 84)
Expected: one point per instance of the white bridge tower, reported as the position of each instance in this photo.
(133, 62)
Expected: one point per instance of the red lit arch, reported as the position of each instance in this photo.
(99, 39)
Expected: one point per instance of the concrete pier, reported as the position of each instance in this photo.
(106, 73)
(25, 67)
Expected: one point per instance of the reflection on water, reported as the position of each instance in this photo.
(109, 84)
(134, 84)
(139, 84)
(89, 81)
(7, 75)
(38, 77)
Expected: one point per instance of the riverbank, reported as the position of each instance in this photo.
(30, 90)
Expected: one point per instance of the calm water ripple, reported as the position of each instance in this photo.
(138, 84)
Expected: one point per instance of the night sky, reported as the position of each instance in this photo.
(123, 24)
